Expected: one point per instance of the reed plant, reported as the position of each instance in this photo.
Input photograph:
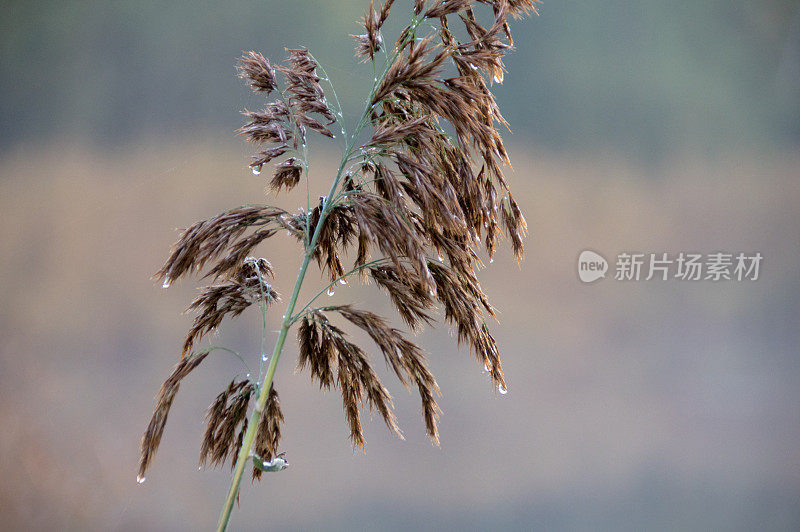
(418, 199)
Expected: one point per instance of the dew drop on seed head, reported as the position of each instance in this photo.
(257, 169)
(342, 282)
(331, 290)
(264, 357)
(440, 258)
(486, 367)
(140, 479)
(491, 260)
(247, 376)
(502, 389)
(167, 282)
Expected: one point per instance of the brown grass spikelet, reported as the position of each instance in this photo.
(324, 348)
(208, 239)
(166, 395)
(441, 8)
(287, 175)
(370, 42)
(268, 435)
(257, 70)
(229, 298)
(226, 422)
(305, 93)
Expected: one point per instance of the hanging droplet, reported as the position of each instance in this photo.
(486, 367)
(440, 258)
(247, 376)
(167, 282)
(331, 290)
(502, 389)
(264, 357)
(140, 479)
(257, 169)
(343, 282)
(491, 260)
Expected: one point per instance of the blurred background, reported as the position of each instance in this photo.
(637, 126)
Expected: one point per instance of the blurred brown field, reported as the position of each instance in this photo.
(659, 405)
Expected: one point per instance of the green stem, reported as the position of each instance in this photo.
(255, 418)
(250, 435)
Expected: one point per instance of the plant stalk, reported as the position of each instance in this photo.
(255, 418)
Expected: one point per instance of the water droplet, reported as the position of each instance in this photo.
(331, 290)
(502, 389)
(486, 225)
(167, 282)
(477, 239)
(440, 258)
(491, 260)
(486, 367)
(247, 376)
(342, 282)
(200, 468)
(288, 233)
(140, 479)
(264, 357)
(333, 136)
(257, 169)
(497, 79)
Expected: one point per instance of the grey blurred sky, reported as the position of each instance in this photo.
(644, 79)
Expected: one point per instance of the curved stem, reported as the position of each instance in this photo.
(334, 282)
